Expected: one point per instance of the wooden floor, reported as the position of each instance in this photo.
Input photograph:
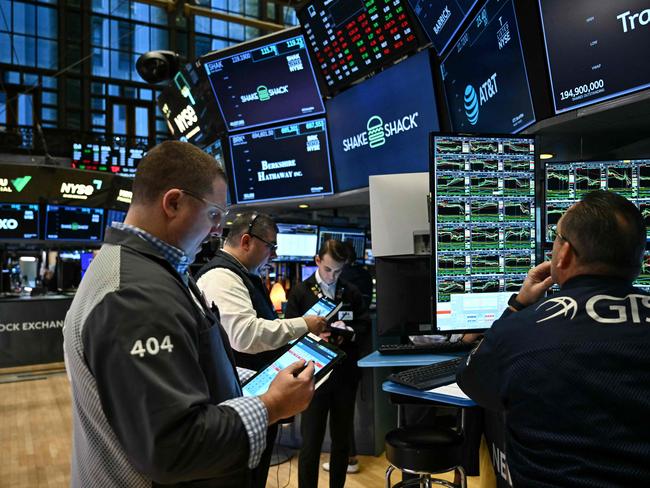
(36, 429)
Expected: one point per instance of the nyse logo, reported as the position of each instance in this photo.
(8, 224)
(487, 90)
(628, 19)
(186, 119)
(79, 190)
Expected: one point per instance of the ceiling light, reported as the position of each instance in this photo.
(546, 156)
(303, 205)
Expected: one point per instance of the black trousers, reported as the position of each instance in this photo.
(337, 399)
(261, 472)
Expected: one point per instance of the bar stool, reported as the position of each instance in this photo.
(424, 451)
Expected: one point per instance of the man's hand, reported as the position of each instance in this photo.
(536, 283)
(315, 324)
(290, 392)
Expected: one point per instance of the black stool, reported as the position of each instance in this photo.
(424, 451)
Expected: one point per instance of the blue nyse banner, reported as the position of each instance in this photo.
(382, 126)
(485, 79)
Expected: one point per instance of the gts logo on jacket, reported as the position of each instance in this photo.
(604, 309)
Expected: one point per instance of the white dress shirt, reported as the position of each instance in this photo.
(328, 290)
(247, 332)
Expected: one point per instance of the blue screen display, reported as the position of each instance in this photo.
(382, 126)
(289, 161)
(267, 85)
(19, 221)
(593, 49)
(441, 19)
(485, 79)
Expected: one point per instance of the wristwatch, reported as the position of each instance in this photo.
(512, 302)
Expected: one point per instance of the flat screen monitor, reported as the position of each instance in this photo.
(595, 50)
(382, 125)
(115, 159)
(306, 271)
(19, 221)
(114, 216)
(297, 242)
(567, 182)
(289, 161)
(484, 74)
(484, 225)
(441, 19)
(271, 82)
(189, 106)
(74, 223)
(356, 237)
(351, 38)
(86, 259)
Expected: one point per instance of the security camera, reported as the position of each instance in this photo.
(157, 66)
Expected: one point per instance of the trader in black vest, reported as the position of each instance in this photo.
(337, 395)
(231, 281)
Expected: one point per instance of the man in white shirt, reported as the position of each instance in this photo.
(231, 281)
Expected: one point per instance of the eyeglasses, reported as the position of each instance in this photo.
(563, 238)
(215, 215)
(272, 246)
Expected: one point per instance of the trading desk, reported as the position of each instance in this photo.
(377, 360)
(392, 387)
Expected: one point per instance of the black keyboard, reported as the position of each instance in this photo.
(433, 348)
(428, 377)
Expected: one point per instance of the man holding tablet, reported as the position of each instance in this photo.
(337, 395)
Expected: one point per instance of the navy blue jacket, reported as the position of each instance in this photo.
(572, 374)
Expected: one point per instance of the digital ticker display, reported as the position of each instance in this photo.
(74, 223)
(382, 126)
(19, 221)
(441, 19)
(351, 38)
(288, 161)
(567, 182)
(485, 225)
(595, 50)
(104, 157)
(267, 85)
(484, 74)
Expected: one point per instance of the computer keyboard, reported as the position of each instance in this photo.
(428, 377)
(433, 348)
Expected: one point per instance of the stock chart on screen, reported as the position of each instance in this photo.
(484, 231)
(567, 182)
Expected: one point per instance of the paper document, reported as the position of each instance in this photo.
(450, 390)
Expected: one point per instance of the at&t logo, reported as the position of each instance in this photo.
(472, 102)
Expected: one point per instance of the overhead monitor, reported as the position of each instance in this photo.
(382, 125)
(114, 216)
(74, 223)
(189, 106)
(352, 38)
(484, 74)
(595, 50)
(267, 81)
(356, 237)
(86, 259)
(484, 226)
(115, 159)
(297, 242)
(567, 182)
(441, 19)
(306, 271)
(289, 161)
(19, 221)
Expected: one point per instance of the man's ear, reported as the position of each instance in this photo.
(565, 255)
(245, 241)
(317, 260)
(171, 202)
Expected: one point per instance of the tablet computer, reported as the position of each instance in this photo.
(308, 347)
(324, 307)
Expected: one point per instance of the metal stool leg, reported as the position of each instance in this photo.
(389, 471)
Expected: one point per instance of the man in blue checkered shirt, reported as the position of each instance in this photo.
(156, 394)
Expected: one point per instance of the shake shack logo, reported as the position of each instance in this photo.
(263, 93)
(15, 185)
(377, 131)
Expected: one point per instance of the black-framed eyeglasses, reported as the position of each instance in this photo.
(563, 238)
(216, 216)
(272, 246)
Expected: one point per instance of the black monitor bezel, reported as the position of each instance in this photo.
(539, 199)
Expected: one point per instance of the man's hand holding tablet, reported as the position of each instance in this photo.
(290, 391)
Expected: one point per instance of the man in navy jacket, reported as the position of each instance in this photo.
(570, 370)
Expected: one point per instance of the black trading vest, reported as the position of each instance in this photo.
(261, 303)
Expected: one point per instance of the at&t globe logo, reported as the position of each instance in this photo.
(471, 104)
